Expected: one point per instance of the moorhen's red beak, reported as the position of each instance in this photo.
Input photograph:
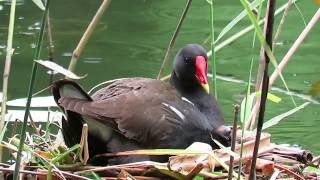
(201, 72)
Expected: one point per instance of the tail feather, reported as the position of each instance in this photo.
(72, 124)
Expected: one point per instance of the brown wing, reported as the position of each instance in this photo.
(140, 107)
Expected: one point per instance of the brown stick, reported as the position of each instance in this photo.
(233, 140)
(297, 176)
(195, 171)
(280, 27)
(87, 34)
(265, 86)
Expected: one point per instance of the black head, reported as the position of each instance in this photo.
(190, 67)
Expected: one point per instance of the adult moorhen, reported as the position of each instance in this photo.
(143, 113)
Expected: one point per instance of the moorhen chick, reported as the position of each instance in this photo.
(143, 113)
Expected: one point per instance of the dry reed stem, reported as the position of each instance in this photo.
(286, 59)
(87, 34)
(265, 85)
(284, 62)
(281, 24)
(233, 140)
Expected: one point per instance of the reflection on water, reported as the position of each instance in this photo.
(131, 40)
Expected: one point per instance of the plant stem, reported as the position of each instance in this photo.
(233, 140)
(30, 89)
(237, 36)
(173, 38)
(87, 34)
(295, 46)
(50, 46)
(245, 31)
(265, 85)
(280, 27)
(6, 71)
(213, 56)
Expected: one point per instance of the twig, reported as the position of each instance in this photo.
(286, 59)
(297, 176)
(50, 46)
(87, 34)
(43, 173)
(244, 31)
(295, 46)
(195, 171)
(233, 140)
(173, 38)
(33, 126)
(265, 85)
(280, 27)
(236, 36)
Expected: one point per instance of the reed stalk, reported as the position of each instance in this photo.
(50, 45)
(233, 140)
(6, 71)
(245, 31)
(281, 24)
(286, 59)
(173, 38)
(30, 89)
(265, 86)
(237, 35)
(247, 105)
(213, 56)
(87, 34)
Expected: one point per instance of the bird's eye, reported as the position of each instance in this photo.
(188, 59)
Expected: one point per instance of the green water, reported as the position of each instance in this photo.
(131, 40)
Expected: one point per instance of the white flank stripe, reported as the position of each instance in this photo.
(175, 110)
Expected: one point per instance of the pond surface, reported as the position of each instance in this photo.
(131, 40)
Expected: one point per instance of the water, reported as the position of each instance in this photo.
(131, 40)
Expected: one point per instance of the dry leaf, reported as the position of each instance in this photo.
(56, 67)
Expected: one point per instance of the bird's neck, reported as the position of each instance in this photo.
(187, 86)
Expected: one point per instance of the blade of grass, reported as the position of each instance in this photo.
(280, 26)
(280, 117)
(248, 99)
(237, 36)
(6, 71)
(235, 21)
(213, 56)
(245, 31)
(264, 43)
(30, 89)
(295, 46)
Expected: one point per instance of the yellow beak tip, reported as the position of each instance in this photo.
(206, 87)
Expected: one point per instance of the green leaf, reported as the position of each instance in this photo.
(264, 43)
(91, 175)
(198, 178)
(235, 21)
(280, 117)
(39, 4)
(270, 97)
(311, 169)
(246, 106)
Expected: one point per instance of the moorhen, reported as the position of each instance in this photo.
(143, 113)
